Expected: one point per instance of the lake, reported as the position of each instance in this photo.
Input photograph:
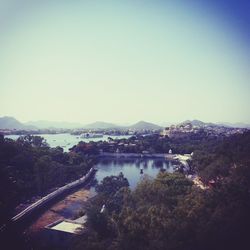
(66, 140)
(131, 168)
(70, 206)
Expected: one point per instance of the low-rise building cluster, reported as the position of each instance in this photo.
(186, 129)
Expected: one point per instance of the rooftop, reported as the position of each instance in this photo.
(67, 226)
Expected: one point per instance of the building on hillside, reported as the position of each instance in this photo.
(165, 131)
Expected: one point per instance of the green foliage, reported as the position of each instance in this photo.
(170, 213)
(111, 193)
(31, 140)
(28, 167)
(111, 184)
(213, 162)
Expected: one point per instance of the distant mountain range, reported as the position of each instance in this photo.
(101, 125)
(8, 122)
(235, 125)
(137, 126)
(144, 125)
(11, 123)
(198, 123)
(51, 124)
(218, 124)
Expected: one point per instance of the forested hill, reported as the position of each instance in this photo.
(28, 168)
(215, 160)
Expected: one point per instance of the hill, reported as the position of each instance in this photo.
(101, 125)
(8, 122)
(234, 125)
(43, 124)
(144, 125)
(198, 123)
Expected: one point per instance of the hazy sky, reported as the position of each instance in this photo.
(124, 61)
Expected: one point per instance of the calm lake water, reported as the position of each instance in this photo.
(131, 168)
(70, 206)
(66, 140)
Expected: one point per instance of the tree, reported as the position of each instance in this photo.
(41, 168)
(35, 141)
(111, 184)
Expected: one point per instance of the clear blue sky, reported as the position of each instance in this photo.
(123, 61)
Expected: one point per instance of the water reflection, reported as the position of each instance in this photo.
(133, 169)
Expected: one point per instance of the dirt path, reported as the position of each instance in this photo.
(67, 208)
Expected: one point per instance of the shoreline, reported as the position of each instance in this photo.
(182, 159)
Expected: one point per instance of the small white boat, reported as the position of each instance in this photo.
(91, 135)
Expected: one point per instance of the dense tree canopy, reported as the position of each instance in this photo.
(171, 213)
(168, 212)
(28, 167)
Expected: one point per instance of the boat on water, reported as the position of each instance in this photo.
(91, 135)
